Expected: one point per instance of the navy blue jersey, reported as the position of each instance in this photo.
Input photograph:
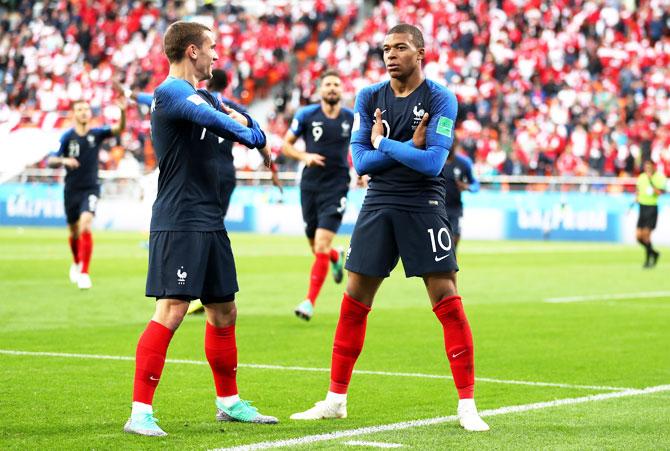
(458, 170)
(227, 165)
(188, 128)
(327, 137)
(86, 150)
(403, 176)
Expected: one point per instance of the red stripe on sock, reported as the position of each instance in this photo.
(85, 250)
(349, 338)
(458, 344)
(318, 276)
(221, 352)
(74, 247)
(149, 361)
(334, 256)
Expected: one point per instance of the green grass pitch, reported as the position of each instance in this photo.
(600, 346)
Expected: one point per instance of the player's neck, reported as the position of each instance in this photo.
(81, 129)
(331, 111)
(183, 72)
(403, 88)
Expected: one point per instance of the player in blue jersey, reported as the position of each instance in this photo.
(403, 216)
(326, 129)
(189, 251)
(458, 177)
(79, 153)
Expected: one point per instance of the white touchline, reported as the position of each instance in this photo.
(607, 297)
(308, 369)
(373, 444)
(308, 439)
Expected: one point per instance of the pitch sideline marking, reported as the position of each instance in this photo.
(308, 439)
(373, 444)
(607, 297)
(308, 369)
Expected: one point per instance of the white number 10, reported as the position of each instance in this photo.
(443, 230)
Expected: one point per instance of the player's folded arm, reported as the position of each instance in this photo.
(186, 104)
(366, 159)
(439, 139)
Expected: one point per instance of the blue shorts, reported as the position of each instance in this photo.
(381, 237)
(191, 265)
(454, 216)
(323, 209)
(78, 201)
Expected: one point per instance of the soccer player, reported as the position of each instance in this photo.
(458, 177)
(403, 215)
(189, 251)
(326, 129)
(79, 153)
(650, 185)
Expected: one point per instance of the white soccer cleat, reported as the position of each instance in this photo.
(469, 418)
(75, 270)
(323, 410)
(84, 281)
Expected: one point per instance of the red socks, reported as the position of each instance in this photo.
(221, 352)
(349, 338)
(334, 255)
(74, 247)
(149, 361)
(318, 276)
(458, 344)
(85, 250)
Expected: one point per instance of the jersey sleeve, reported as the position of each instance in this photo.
(102, 133)
(62, 145)
(439, 138)
(297, 124)
(144, 98)
(180, 101)
(367, 159)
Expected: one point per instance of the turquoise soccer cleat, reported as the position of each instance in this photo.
(243, 412)
(143, 424)
(304, 310)
(337, 268)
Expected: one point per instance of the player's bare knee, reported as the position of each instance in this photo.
(221, 314)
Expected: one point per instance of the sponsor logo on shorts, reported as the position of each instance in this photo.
(181, 276)
(438, 259)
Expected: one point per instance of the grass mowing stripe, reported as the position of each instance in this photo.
(306, 440)
(607, 297)
(308, 369)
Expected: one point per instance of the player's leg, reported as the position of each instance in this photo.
(332, 206)
(73, 238)
(654, 254)
(427, 250)
(220, 342)
(72, 205)
(373, 248)
(85, 248)
(308, 202)
(149, 362)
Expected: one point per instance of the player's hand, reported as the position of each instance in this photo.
(118, 88)
(276, 182)
(377, 127)
(267, 158)
(122, 102)
(234, 115)
(70, 163)
(314, 159)
(362, 181)
(462, 186)
(419, 137)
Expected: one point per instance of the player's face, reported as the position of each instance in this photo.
(331, 89)
(82, 113)
(401, 55)
(649, 168)
(206, 55)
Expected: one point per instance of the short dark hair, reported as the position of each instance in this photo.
(179, 36)
(329, 73)
(219, 81)
(414, 32)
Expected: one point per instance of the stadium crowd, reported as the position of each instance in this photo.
(568, 87)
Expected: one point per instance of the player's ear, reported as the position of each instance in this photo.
(420, 54)
(192, 51)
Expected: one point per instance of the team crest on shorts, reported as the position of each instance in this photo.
(181, 276)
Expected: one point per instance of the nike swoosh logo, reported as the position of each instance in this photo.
(153, 378)
(453, 356)
(437, 259)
